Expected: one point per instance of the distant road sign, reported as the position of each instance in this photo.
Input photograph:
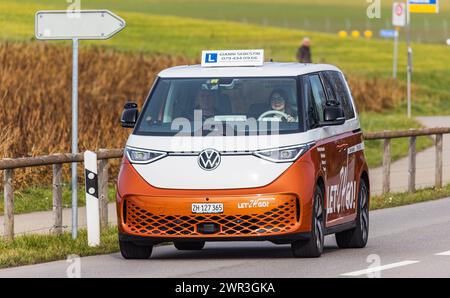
(399, 14)
(424, 6)
(388, 33)
(83, 24)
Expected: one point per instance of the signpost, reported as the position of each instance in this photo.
(388, 33)
(398, 20)
(415, 6)
(76, 25)
(392, 34)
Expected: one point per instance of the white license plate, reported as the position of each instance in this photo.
(207, 208)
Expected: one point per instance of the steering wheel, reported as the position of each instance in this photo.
(279, 113)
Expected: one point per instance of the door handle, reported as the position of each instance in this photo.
(342, 146)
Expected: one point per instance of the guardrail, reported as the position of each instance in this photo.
(57, 160)
(8, 165)
(412, 134)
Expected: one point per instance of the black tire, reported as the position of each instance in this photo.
(131, 251)
(197, 245)
(313, 247)
(357, 237)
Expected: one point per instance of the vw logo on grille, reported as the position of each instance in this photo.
(209, 159)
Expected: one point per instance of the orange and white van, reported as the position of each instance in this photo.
(241, 149)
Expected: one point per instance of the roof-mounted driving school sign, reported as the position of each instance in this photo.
(424, 6)
(232, 58)
(83, 24)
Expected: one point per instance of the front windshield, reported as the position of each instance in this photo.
(221, 106)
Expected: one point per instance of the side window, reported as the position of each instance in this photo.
(318, 95)
(339, 87)
(311, 110)
(327, 82)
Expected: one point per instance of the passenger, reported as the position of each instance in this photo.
(206, 103)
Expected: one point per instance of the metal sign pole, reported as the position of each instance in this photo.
(394, 69)
(74, 137)
(409, 69)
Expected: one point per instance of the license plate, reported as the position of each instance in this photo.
(207, 208)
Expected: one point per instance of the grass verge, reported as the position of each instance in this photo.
(33, 249)
(400, 199)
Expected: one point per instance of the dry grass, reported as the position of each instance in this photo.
(375, 94)
(35, 99)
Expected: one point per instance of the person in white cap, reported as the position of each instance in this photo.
(304, 51)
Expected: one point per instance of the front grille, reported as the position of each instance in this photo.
(281, 219)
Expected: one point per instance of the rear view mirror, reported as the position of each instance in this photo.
(333, 114)
(129, 115)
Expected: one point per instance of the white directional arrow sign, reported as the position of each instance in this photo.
(83, 24)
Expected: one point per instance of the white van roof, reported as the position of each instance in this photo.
(269, 69)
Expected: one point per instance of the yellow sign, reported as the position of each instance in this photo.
(424, 6)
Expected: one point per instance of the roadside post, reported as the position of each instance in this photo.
(392, 34)
(415, 6)
(76, 25)
(92, 198)
(398, 20)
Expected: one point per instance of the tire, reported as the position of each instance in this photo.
(358, 236)
(131, 251)
(313, 247)
(198, 245)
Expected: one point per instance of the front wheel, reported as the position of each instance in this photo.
(358, 236)
(131, 251)
(313, 247)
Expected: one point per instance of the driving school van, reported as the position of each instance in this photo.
(238, 149)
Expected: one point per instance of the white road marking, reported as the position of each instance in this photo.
(379, 268)
(445, 253)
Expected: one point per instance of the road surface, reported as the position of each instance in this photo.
(408, 241)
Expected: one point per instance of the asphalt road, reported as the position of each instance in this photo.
(409, 241)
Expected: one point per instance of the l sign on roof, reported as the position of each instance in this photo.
(83, 24)
(232, 58)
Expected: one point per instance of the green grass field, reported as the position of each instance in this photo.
(323, 15)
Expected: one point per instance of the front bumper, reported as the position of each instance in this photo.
(243, 216)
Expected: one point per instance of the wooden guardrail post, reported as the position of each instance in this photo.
(8, 234)
(387, 166)
(438, 176)
(57, 199)
(103, 191)
(412, 165)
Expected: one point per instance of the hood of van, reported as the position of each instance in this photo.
(238, 167)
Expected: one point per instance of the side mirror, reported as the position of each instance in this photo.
(333, 114)
(129, 115)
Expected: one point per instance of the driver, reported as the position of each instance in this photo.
(205, 102)
(278, 102)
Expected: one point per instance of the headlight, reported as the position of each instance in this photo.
(287, 154)
(142, 156)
